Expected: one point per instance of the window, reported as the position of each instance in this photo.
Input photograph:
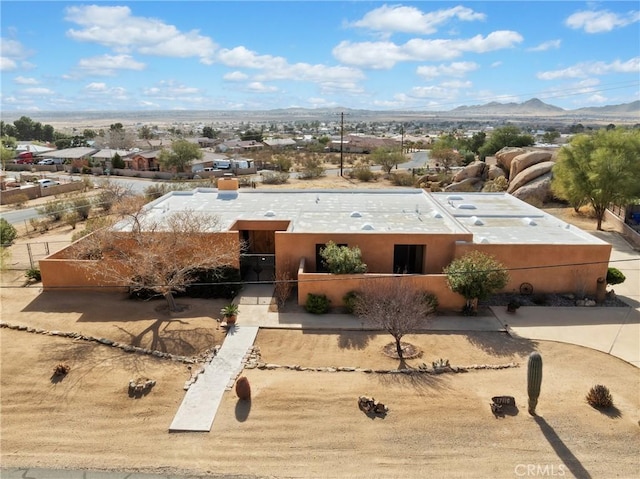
(408, 258)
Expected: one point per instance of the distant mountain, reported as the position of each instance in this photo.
(536, 107)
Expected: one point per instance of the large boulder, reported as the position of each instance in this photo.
(524, 161)
(468, 184)
(529, 175)
(495, 172)
(472, 170)
(506, 154)
(537, 191)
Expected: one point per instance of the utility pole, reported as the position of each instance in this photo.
(341, 140)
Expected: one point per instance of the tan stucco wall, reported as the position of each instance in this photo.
(336, 286)
(377, 249)
(539, 265)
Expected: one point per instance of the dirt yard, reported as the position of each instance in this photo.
(299, 423)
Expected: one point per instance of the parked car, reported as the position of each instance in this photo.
(46, 161)
(46, 183)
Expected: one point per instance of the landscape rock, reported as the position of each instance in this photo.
(495, 172)
(529, 175)
(472, 170)
(524, 161)
(506, 155)
(469, 184)
(538, 190)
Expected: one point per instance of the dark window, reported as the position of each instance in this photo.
(320, 267)
(408, 258)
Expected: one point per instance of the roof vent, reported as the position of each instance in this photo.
(476, 221)
(356, 214)
(466, 206)
(367, 226)
(436, 214)
(529, 221)
(484, 240)
(454, 197)
(270, 213)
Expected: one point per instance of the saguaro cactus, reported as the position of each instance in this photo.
(534, 380)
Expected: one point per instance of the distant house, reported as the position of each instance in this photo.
(143, 161)
(280, 143)
(239, 146)
(362, 144)
(76, 157)
(103, 157)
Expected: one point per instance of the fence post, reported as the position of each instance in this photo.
(30, 255)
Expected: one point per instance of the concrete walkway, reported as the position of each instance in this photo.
(200, 404)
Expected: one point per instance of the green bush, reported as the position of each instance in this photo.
(33, 274)
(350, 300)
(615, 276)
(317, 304)
(362, 173)
(432, 302)
(7, 232)
(275, 178)
(342, 259)
(55, 210)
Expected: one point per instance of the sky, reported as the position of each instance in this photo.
(243, 55)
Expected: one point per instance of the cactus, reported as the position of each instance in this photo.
(243, 389)
(534, 380)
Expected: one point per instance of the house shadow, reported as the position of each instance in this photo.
(501, 344)
(561, 449)
(354, 339)
(243, 408)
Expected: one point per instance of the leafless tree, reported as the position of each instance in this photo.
(160, 255)
(394, 305)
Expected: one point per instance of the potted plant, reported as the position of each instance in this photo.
(229, 313)
(512, 306)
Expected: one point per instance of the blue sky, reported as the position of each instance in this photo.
(241, 55)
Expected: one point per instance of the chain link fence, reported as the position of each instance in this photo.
(25, 256)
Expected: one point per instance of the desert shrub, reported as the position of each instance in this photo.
(311, 168)
(82, 206)
(599, 397)
(497, 185)
(283, 287)
(33, 274)
(284, 163)
(91, 226)
(243, 388)
(7, 232)
(155, 191)
(615, 276)
(275, 178)
(401, 179)
(61, 369)
(55, 210)
(86, 170)
(71, 218)
(223, 282)
(342, 259)
(362, 173)
(5, 258)
(350, 300)
(317, 304)
(540, 299)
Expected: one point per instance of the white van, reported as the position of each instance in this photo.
(222, 164)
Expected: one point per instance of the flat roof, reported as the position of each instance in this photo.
(317, 211)
(504, 219)
(497, 218)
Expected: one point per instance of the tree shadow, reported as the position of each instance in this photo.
(501, 344)
(57, 378)
(243, 408)
(561, 449)
(415, 379)
(354, 339)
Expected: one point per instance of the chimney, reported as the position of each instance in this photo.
(227, 184)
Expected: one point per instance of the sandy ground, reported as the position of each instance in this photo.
(299, 423)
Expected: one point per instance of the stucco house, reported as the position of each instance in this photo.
(399, 231)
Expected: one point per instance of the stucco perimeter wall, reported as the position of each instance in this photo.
(377, 249)
(548, 268)
(336, 286)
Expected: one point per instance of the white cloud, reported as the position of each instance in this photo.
(399, 18)
(259, 87)
(235, 76)
(598, 21)
(37, 91)
(455, 69)
(457, 84)
(544, 46)
(173, 91)
(13, 54)
(585, 69)
(20, 80)
(96, 87)
(107, 65)
(384, 55)
(7, 64)
(117, 28)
